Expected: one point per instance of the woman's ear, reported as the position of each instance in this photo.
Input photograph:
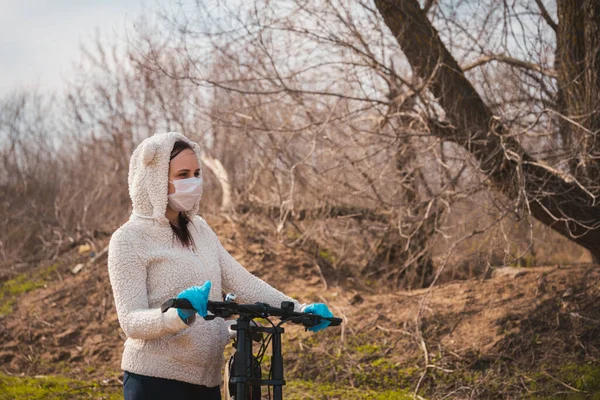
(149, 152)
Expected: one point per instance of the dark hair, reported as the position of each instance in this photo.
(182, 232)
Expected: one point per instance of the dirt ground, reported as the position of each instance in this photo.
(527, 333)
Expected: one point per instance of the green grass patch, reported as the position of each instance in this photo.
(585, 377)
(301, 390)
(362, 363)
(327, 256)
(368, 348)
(55, 387)
(21, 284)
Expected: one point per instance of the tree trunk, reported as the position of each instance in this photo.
(221, 173)
(578, 66)
(557, 201)
(592, 86)
(570, 54)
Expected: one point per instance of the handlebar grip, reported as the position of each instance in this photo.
(184, 304)
(334, 321)
(310, 319)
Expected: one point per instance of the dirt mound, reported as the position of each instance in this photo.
(514, 334)
(534, 334)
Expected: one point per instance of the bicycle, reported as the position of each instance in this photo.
(245, 373)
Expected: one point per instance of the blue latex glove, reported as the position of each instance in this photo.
(319, 309)
(198, 296)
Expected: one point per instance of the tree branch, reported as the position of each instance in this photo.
(428, 4)
(513, 62)
(546, 15)
(559, 203)
(324, 212)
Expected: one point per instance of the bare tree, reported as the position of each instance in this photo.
(325, 137)
(357, 126)
(65, 159)
(565, 202)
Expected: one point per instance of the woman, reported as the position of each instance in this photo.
(164, 251)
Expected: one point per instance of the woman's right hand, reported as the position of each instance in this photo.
(198, 297)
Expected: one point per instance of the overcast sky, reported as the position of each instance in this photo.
(40, 40)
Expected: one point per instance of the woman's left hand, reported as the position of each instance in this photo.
(198, 297)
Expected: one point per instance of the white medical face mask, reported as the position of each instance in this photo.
(187, 193)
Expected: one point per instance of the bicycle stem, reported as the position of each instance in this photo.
(277, 364)
(243, 366)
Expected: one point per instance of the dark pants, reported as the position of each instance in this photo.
(141, 387)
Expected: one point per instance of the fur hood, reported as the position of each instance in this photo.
(149, 175)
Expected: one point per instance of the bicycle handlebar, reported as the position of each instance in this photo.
(286, 311)
(264, 310)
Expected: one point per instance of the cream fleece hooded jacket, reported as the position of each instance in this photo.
(148, 266)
